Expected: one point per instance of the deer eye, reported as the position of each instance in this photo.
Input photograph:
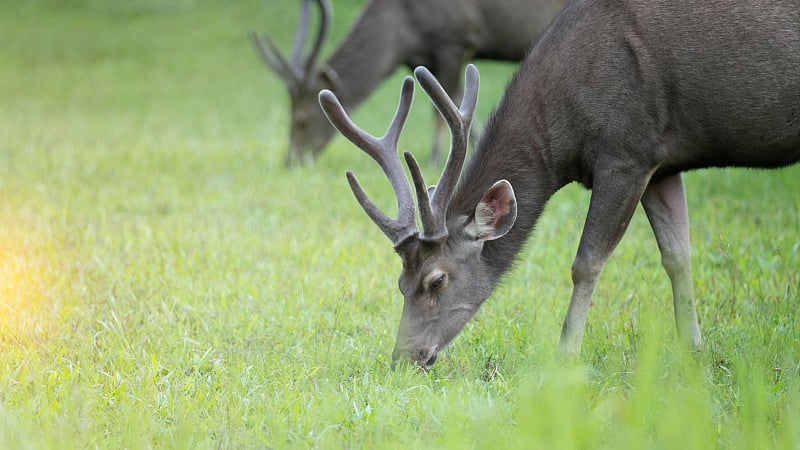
(437, 283)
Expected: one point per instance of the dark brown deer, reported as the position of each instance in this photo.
(620, 96)
(442, 35)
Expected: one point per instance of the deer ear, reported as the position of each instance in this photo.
(330, 77)
(495, 213)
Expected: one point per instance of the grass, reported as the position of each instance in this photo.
(164, 283)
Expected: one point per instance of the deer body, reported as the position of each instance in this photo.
(441, 35)
(621, 97)
(625, 104)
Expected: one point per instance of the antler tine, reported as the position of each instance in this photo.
(272, 57)
(385, 223)
(423, 200)
(322, 33)
(384, 151)
(470, 98)
(302, 33)
(459, 120)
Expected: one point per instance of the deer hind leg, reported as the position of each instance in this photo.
(665, 205)
(615, 194)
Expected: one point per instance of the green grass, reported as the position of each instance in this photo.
(164, 283)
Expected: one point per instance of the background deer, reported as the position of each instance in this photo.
(620, 96)
(442, 35)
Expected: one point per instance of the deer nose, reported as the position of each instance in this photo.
(424, 357)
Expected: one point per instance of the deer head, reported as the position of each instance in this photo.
(444, 278)
(304, 77)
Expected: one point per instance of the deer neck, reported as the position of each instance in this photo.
(515, 148)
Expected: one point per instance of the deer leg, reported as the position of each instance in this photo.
(665, 205)
(615, 194)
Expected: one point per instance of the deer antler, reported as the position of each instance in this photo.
(301, 35)
(433, 210)
(384, 151)
(297, 69)
(322, 33)
(273, 58)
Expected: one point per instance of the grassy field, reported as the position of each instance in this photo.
(165, 283)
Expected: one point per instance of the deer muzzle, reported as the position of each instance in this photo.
(423, 358)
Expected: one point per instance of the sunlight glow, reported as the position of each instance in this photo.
(21, 279)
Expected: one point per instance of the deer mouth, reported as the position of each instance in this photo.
(423, 359)
(423, 367)
(426, 366)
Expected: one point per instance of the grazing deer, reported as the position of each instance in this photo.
(442, 35)
(620, 96)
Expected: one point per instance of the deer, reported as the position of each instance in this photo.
(442, 35)
(619, 96)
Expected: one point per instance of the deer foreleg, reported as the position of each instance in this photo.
(665, 205)
(615, 194)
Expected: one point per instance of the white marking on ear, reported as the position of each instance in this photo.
(495, 213)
